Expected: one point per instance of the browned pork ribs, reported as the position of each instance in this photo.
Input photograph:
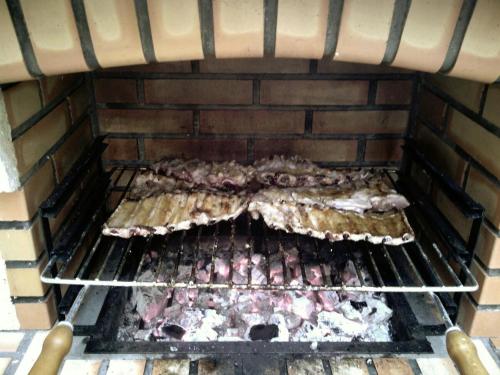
(373, 213)
(218, 175)
(279, 170)
(168, 212)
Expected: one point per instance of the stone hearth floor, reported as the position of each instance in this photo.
(19, 350)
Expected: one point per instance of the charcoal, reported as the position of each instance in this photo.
(263, 332)
(173, 330)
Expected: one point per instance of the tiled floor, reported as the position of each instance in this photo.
(19, 350)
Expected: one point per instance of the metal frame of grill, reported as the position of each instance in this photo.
(410, 264)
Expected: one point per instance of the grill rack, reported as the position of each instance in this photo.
(415, 267)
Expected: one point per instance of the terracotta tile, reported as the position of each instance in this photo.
(486, 193)
(81, 367)
(166, 67)
(203, 149)
(316, 150)
(488, 286)
(115, 90)
(33, 144)
(394, 92)
(132, 367)
(452, 213)
(37, 315)
(115, 32)
(479, 56)
(431, 108)
(348, 366)
(175, 28)
(361, 122)
(56, 44)
(53, 87)
(22, 244)
(171, 367)
(145, 121)
(121, 149)
(440, 154)
(23, 204)
(477, 141)
(9, 341)
(238, 28)
(432, 366)
(311, 92)
(25, 282)
(251, 122)
(258, 65)
(301, 28)
(79, 103)
(392, 366)
(427, 32)
(488, 247)
(12, 66)
(466, 92)
(305, 367)
(364, 30)
(491, 107)
(339, 67)
(4, 363)
(21, 102)
(207, 91)
(383, 150)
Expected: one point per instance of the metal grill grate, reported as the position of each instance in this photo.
(173, 261)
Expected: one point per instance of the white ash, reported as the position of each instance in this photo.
(229, 314)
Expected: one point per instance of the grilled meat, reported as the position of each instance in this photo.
(170, 212)
(373, 196)
(294, 171)
(219, 175)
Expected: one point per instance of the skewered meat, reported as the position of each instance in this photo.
(170, 212)
(377, 196)
(294, 171)
(220, 175)
(391, 228)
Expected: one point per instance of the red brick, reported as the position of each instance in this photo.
(360, 122)
(52, 87)
(145, 121)
(167, 67)
(313, 92)
(121, 149)
(115, 90)
(383, 150)
(338, 67)
(78, 103)
(260, 65)
(431, 108)
(245, 122)
(196, 148)
(206, 91)
(70, 151)
(442, 155)
(484, 191)
(476, 322)
(394, 92)
(488, 247)
(316, 150)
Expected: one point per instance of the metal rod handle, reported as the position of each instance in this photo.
(463, 352)
(55, 347)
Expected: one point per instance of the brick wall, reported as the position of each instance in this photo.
(336, 113)
(458, 127)
(50, 128)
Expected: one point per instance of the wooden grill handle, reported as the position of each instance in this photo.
(55, 347)
(463, 352)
